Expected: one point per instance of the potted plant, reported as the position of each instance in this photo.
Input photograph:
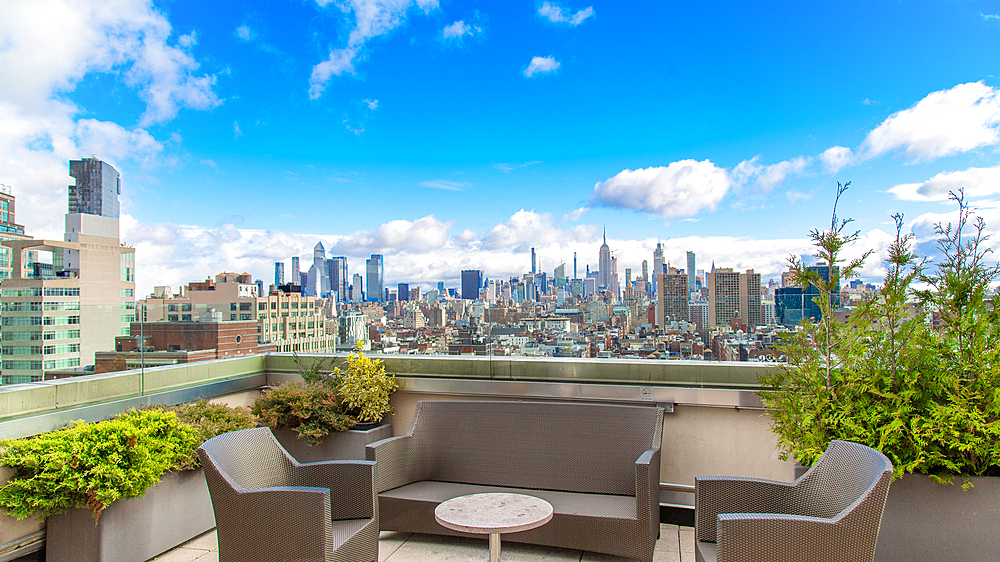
(127, 488)
(317, 418)
(914, 372)
(364, 388)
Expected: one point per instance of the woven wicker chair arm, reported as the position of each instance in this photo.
(397, 461)
(715, 495)
(763, 537)
(351, 483)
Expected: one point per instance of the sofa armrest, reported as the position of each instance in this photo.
(352, 481)
(286, 521)
(399, 462)
(647, 491)
(715, 495)
(765, 537)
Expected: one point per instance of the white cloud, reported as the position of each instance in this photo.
(523, 228)
(236, 130)
(49, 46)
(245, 33)
(541, 65)
(555, 14)
(836, 158)
(682, 189)
(421, 235)
(944, 123)
(372, 104)
(977, 182)
(990, 16)
(575, 215)
(766, 178)
(456, 30)
(444, 184)
(508, 168)
(371, 19)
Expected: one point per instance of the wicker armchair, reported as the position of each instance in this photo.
(268, 507)
(831, 513)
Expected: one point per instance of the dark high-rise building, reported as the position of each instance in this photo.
(792, 305)
(533, 261)
(692, 286)
(403, 290)
(279, 273)
(375, 269)
(339, 280)
(472, 282)
(97, 188)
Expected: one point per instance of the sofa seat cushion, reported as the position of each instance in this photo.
(563, 503)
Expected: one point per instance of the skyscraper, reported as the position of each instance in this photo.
(604, 272)
(645, 275)
(296, 271)
(672, 298)
(533, 271)
(318, 283)
(9, 230)
(87, 281)
(657, 265)
(357, 294)
(472, 282)
(375, 270)
(403, 292)
(734, 295)
(96, 190)
(574, 266)
(279, 273)
(692, 286)
(339, 279)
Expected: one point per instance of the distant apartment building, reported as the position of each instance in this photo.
(288, 320)
(152, 344)
(672, 298)
(68, 299)
(9, 230)
(734, 295)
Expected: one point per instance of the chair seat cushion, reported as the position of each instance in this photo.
(563, 503)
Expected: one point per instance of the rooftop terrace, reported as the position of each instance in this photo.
(715, 423)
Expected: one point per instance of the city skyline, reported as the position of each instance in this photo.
(453, 136)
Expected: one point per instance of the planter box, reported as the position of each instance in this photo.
(345, 445)
(172, 512)
(927, 521)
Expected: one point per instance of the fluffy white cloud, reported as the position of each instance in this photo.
(944, 123)
(522, 229)
(681, 189)
(48, 47)
(456, 30)
(836, 158)
(767, 178)
(977, 182)
(371, 19)
(541, 65)
(555, 14)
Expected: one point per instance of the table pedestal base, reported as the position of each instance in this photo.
(494, 547)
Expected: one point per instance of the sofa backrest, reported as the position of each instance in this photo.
(251, 458)
(845, 475)
(575, 447)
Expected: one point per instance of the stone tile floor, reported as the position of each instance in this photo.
(676, 544)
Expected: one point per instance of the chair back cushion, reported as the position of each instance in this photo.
(250, 458)
(571, 447)
(846, 473)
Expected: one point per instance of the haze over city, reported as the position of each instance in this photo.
(458, 135)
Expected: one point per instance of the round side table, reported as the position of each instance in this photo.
(493, 514)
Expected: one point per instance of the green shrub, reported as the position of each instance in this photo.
(209, 420)
(312, 409)
(93, 465)
(915, 374)
(364, 387)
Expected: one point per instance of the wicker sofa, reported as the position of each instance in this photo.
(597, 464)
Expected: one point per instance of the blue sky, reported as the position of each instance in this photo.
(450, 135)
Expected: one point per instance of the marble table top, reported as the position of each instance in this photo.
(493, 513)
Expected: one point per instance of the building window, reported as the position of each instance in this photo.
(171, 308)
(232, 306)
(185, 317)
(232, 317)
(274, 305)
(246, 316)
(246, 306)
(186, 307)
(171, 318)
(262, 306)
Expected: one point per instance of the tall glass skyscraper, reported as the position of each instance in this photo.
(375, 269)
(97, 188)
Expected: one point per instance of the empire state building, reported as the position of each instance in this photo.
(605, 268)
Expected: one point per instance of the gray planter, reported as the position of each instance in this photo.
(927, 521)
(172, 512)
(345, 445)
